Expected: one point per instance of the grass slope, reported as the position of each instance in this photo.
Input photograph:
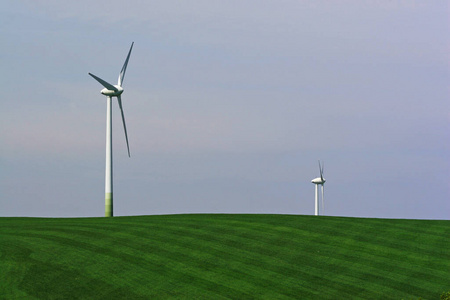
(223, 256)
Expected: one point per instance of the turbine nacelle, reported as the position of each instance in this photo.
(112, 93)
(318, 180)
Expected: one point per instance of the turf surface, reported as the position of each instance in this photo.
(223, 256)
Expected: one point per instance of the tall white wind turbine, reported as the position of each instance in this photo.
(318, 181)
(112, 91)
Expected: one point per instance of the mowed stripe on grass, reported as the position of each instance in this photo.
(224, 256)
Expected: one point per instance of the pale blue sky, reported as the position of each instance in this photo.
(229, 105)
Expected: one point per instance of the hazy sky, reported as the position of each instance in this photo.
(229, 105)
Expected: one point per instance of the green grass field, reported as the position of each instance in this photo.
(223, 256)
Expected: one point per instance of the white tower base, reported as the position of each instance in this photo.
(109, 163)
(317, 200)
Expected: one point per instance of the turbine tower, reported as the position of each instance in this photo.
(318, 181)
(112, 91)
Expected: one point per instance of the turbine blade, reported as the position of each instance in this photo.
(104, 83)
(124, 68)
(323, 202)
(123, 120)
(323, 166)
(320, 169)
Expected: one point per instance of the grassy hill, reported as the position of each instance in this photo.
(223, 256)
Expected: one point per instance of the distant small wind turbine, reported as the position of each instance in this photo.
(319, 180)
(112, 91)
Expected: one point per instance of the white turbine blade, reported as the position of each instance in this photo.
(323, 203)
(124, 68)
(123, 120)
(104, 83)
(320, 170)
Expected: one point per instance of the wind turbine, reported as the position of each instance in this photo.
(319, 180)
(112, 91)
